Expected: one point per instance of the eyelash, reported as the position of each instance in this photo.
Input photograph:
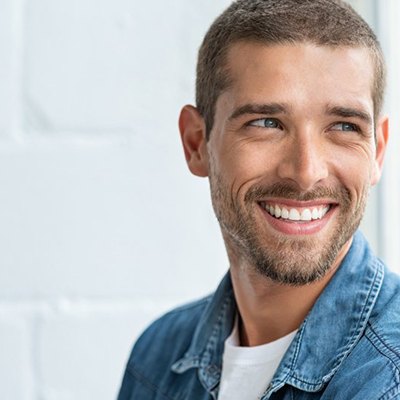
(354, 127)
(252, 123)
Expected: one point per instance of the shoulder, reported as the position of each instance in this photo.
(372, 369)
(148, 372)
(166, 340)
(383, 329)
(383, 335)
(174, 329)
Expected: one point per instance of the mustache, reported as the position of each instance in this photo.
(288, 191)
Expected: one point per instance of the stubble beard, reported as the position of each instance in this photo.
(290, 261)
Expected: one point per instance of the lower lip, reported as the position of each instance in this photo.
(299, 227)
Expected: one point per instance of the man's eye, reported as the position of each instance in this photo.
(345, 127)
(266, 123)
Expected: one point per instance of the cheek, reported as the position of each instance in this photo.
(357, 164)
(252, 160)
(238, 161)
(356, 173)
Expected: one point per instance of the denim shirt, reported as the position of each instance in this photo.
(348, 347)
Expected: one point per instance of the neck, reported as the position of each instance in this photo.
(270, 310)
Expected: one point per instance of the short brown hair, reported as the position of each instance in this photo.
(322, 22)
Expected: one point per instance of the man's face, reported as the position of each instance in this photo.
(292, 155)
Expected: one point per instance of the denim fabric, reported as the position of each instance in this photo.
(348, 347)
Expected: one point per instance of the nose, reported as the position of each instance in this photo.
(305, 161)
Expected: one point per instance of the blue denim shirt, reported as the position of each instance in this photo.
(348, 347)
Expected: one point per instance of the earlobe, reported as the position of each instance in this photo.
(193, 136)
(382, 137)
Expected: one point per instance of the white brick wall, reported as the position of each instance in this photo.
(9, 67)
(101, 226)
(99, 219)
(16, 346)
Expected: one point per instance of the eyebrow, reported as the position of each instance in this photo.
(270, 109)
(348, 112)
(280, 108)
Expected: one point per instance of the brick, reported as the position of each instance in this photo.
(84, 348)
(15, 361)
(8, 66)
(104, 221)
(100, 65)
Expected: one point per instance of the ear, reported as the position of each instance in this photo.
(382, 136)
(193, 135)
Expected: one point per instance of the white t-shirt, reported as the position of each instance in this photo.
(247, 371)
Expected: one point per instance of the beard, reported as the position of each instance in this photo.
(283, 259)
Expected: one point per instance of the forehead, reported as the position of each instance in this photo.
(301, 73)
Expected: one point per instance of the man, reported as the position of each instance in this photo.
(288, 129)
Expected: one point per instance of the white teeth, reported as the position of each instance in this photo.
(315, 213)
(293, 214)
(285, 213)
(306, 215)
(272, 210)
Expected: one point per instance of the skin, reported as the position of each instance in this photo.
(295, 128)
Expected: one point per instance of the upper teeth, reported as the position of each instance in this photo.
(294, 214)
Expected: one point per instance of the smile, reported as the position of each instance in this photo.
(296, 213)
(298, 218)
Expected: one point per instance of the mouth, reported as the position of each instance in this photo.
(296, 213)
(292, 217)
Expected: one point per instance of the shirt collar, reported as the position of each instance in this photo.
(215, 325)
(335, 323)
(330, 331)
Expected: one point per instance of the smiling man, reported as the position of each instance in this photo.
(288, 129)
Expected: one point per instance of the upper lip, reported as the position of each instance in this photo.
(297, 203)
